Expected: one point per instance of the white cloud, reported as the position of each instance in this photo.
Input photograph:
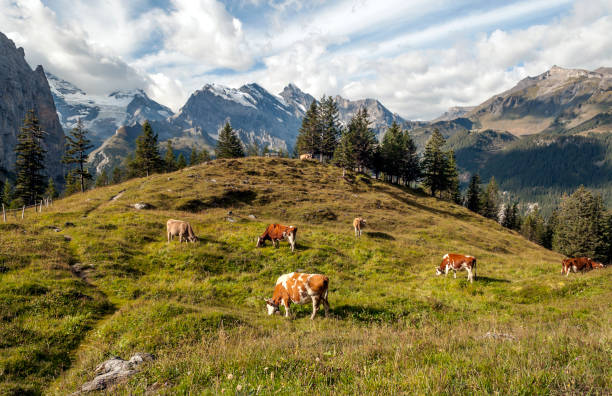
(357, 48)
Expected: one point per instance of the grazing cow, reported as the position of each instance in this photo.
(358, 224)
(457, 262)
(300, 289)
(579, 264)
(182, 229)
(276, 232)
(307, 156)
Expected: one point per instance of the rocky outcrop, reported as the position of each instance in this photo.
(22, 89)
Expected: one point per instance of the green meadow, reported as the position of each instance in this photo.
(108, 284)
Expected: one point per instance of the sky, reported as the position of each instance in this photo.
(418, 57)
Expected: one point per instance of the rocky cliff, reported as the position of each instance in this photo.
(22, 89)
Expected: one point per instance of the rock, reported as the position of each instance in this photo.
(22, 89)
(231, 219)
(499, 336)
(114, 370)
(142, 205)
(252, 217)
(67, 238)
(69, 224)
(213, 180)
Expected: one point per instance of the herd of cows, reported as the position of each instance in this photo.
(301, 288)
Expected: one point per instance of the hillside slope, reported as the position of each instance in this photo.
(117, 288)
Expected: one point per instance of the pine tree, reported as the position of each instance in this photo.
(228, 145)
(181, 162)
(51, 191)
(579, 222)
(392, 151)
(534, 227)
(7, 194)
(102, 179)
(117, 176)
(252, 150)
(435, 164)
(72, 184)
(77, 146)
(490, 200)
(30, 182)
(510, 218)
(343, 156)
(169, 161)
(194, 157)
(1, 189)
(309, 137)
(364, 140)
(146, 158)
(453, 179)
(329, 127)
(473, 194)
(410, 169)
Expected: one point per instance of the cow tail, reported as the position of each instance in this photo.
(325, 287)
(474, 268)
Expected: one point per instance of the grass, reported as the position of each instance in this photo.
(395, 327)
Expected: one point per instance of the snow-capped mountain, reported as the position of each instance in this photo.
(100, 114)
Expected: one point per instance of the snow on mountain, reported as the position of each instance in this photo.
(103, 114)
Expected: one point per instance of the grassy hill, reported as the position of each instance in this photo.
(116, 287)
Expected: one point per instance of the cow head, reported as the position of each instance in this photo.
(271, 306)
(193, 238)
(439, 271)
(595, 264)
(260, 242)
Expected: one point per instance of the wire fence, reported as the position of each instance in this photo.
(38, 208)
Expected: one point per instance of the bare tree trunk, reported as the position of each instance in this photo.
(22, 212)
(3, 213)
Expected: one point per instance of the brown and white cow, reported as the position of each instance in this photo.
(299, 288)
(457, 262)
(307, 156)
(358, 224)
(180, 228)
(277, 232)
(579, 264)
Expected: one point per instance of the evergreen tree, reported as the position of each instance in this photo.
(194, 157)
(169, 159)
(534, 227)
(410, 169)
(102, 179)
(435, 164)
(181, 162)
(491, 200)
(364, 140)
(228, 145)
(343, 156)
(378, 161)
(117, 176)
(453, 179)
(77, 146)
(329, 127)
(309, 137)
(392, 151)
(72, 184)
(30, 182)
(473, 194)
(252, 150)
(1, 189)
(146, 158)
(510, 218)
(51, 191)
(579, 227)
(7, 194)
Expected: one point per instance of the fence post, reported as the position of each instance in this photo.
(22, 212)
(3, 213)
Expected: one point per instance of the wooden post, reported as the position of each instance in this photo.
(22, 212)
(3, 213)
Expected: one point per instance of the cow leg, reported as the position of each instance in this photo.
(470, 277)
(454, 274)
(315, 307)
(286, 305)
(168, 236)
(326, 306)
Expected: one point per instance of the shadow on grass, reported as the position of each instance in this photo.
(363, 314)
(380, 235)
(486, 279)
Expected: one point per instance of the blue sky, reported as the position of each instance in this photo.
(418, 57)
